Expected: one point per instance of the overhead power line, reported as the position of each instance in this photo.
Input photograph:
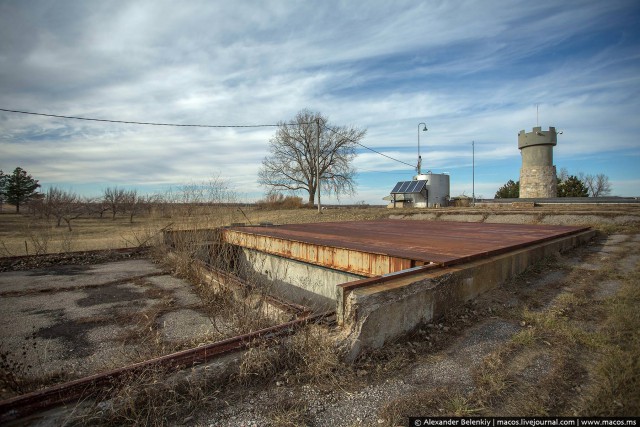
(136, 123)
(195, 125)
(364, 146)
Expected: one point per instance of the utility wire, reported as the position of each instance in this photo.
(196, 125)
(364, 146)
(360, 170)
(135, 123)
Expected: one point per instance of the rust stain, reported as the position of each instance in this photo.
(374, 248)
(345, 259)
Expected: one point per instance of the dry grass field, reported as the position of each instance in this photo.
(28, 235)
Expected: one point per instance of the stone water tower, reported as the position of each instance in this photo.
(538, 174)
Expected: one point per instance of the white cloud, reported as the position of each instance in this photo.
(471, 70)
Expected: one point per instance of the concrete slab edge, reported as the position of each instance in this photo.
(374, 315)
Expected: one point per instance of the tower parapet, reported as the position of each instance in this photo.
(538, 174)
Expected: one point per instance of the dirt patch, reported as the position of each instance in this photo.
(73, 335)
(607, 289)
(189, 325)
(630, 263)
(62, 270)
(110, 295)
(454, 366)
(72, 258)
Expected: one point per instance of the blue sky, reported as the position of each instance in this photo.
(472, 70)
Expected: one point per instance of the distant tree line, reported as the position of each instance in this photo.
(20, 190)
(568, 186)
(61, 206)
(65, 206)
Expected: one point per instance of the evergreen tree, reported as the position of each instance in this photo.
(18, 188)
(3, 193)
(572, 186)
(511, 190)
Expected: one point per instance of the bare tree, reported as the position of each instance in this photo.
(64, 205)
(115, 199)
(148, 202)
(101, 206)
(293, 162)
(563, 174)
(597, 185)
(132, 203)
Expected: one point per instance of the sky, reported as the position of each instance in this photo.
(473, 71)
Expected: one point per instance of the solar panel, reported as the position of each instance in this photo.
(419, 186)
(404, 187)
(397, 187)
(412, 187)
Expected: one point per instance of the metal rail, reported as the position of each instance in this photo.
(11, 261)
(40, 400)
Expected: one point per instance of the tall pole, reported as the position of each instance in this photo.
(473, 173)
(419, 156)
(318, 164)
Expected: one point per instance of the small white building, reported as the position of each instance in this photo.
(424, 191)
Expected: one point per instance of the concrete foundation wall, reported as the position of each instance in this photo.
(372, 315)
(299, 282)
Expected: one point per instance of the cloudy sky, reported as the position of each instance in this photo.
(472, 70)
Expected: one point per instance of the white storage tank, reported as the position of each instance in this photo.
(437, 188)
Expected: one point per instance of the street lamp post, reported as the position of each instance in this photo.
(473, 173)
(419, 156)
(318, 163)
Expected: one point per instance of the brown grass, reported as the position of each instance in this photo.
(21, 234)
(308, 357)
(147, 398)
(615, 382)
(431, 402)
(274, 201)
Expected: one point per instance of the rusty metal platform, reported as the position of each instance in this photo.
(380, 247)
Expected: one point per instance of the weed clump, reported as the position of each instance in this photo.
(308, 357)
(278, 201)
(149, 397)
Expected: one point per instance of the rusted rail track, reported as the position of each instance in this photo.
(43, 260)
(80, 389)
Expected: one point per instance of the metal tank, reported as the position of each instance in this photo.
(437, 190)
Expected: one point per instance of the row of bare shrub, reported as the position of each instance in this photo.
(275, 201)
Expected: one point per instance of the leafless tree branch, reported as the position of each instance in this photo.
(294, 159)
